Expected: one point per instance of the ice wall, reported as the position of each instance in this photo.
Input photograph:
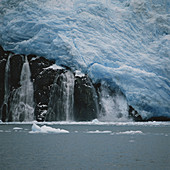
(125, 42)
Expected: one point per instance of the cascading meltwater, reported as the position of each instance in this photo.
(6, 89)
(22, 102)
(61, 102)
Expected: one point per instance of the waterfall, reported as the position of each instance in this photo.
(7, 77)
(22, 103)
(6, 89)
(61, 102)
(113, 106)
(68, 87)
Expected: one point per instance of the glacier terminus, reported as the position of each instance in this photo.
(123, 43)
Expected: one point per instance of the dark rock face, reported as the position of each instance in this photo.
(160, 118)
(85, 99)
(42, 89)
(133, 114)
(2, 77)
(3, 59)
(56, 107)
(37, 65)
(16, 63)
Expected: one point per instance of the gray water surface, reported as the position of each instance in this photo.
(86, 146)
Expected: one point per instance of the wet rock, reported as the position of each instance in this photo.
(133, 114)
(16, 63)
(2, 77)
(60, 102)
(37, 64)
(85, 106)
(42, 87)
(160, 118)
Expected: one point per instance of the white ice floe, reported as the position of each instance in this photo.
(46, 129)
(95, 121)
(98, 131)
(131, 132)
(17, 128)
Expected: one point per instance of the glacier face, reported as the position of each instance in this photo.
(123, 42)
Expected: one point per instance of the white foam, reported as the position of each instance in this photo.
(98, 131)
(46, 129)
(93, 122)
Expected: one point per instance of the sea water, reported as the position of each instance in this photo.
(84, 145)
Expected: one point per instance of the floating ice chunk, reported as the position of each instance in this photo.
(54, 67)
(131, 141)
(131, 132)
(46, 129)
(1, 130)
(17, 128)
(98, 131)
(95, 121)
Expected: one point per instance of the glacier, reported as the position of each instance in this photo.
(125, 43)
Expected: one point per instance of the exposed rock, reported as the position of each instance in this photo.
(60, 106)
(2, 77)
(16, 63)
(160, 118)
(37, 64)
(85, 99)
(133, 114)
(42, 87)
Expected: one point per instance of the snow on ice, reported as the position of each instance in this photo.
(123, 42)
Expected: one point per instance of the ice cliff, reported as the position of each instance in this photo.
(123, 42)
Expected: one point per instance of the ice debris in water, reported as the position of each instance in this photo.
(98, 131)
(131, 132)
(46, 129)
(95, 121)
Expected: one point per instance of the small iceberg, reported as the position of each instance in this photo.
(95, 121)
(46, 129)
(98, 131)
